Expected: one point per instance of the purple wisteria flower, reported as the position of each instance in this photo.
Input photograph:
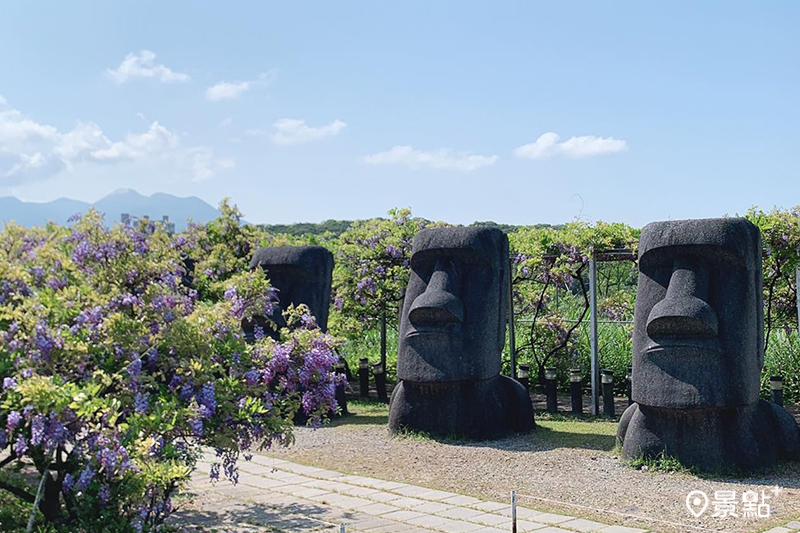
(140, 403)
(208, 399)
(251, 377)
(14, 418)
(21, 446)
(135, 368)
(86, 477)
(37, 430)
(68, 484)
(196, 425)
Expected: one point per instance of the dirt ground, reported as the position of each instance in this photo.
(564, 465)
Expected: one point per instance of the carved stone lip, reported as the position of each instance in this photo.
(431, 330)
(680, 346)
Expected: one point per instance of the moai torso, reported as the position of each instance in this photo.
(452, 331)
(301, 275)
(698, 349)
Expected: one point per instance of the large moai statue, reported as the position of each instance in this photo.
(302, 275)
(452, 332)
(698, 350)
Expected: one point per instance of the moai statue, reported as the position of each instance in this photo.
(302, 275)
(452, 332)
(698, 349)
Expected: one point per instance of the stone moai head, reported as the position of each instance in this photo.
(452, 326)
(302, 275)
(698, 334)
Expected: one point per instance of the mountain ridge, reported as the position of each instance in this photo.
(157, 205)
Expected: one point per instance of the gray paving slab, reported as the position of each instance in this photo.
(403, 515)
(378, 509)
(490, 519)
(433, 507)
(491, 507)
(429, 521)
(461, 513)
(293, 497)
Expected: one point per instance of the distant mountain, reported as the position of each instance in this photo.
(179, 210)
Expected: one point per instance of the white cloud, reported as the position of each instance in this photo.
(547, 146)
(30, 150)
(226, 90)
(289, 131)
(3, 101)
(156, 139)
(142, 65)
(85, 139)
(205, 166)
(442, 159)
(28, 164)
(15, 130)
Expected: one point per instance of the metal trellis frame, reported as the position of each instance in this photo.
(599, 256)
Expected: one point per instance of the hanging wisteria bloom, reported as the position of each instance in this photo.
(122, 357)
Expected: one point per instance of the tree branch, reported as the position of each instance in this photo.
(7, 460)
(18, 492)
(578, 322)
(539, 306)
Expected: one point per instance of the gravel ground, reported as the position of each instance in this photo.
(563, 466)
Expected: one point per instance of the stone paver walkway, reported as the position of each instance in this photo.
(286, 496)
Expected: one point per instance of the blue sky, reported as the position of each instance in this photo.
(518, 112)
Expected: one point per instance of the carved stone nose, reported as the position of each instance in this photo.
(439, 304)
(684, 311)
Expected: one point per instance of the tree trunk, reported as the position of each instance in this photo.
(50, 506)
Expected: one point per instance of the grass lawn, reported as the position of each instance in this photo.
(559, 431)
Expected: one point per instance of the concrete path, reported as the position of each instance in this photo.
(281, 496)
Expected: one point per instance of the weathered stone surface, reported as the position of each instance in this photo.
(302, 275)
(452, 331)
(698, 350)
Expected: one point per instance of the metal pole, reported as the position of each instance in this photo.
(593, 334)
(32, 517)
(383, 335)
(513, 511)
(512, 340)
(797, 287)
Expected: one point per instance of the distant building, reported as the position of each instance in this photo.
(169, 227)
(150, 226)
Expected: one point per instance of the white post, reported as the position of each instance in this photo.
(595, 366)
(513, 511)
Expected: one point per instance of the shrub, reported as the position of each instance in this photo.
(783, 359)
(118, 365)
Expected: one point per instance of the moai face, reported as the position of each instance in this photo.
(302, 275)
(452, 326)
(698, 334)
